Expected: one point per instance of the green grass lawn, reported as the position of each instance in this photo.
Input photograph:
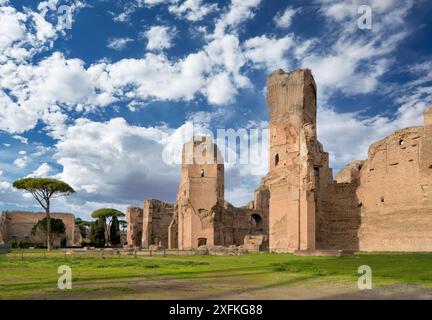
(31, 274)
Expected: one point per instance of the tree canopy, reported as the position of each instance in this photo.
(57, 226)
(84, 226)
(43, 189)
(107, 212)
(97, 233)
(104, 215)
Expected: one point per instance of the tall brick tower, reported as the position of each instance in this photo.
(293, 172)
(426, 158)
(201, 191)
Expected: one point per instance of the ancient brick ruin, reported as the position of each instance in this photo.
(383, 203)
(200, 216)
(17, 225)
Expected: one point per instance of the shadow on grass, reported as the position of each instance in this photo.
(389, 292)
(231, 293)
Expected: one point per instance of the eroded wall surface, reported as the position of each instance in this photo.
(245, 225)
(296, 160)
(200, 216)
(157, 216)
(134, 217)
(383, 203)
(338, 219)
(2, 232)
(201, 193)
(395, 192)
(380, 204)
(17, 225)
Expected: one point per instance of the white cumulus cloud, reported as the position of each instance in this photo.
(284, 19)
(159, 37)
(118, 43)
(42, 171)
(192, 10)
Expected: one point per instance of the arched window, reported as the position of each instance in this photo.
(276, 160)
(256, 224)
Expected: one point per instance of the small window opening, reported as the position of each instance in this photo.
(401, 142)
(382, 199)
(430, 166)
(202, 242)
(202, 173)
(276, 160)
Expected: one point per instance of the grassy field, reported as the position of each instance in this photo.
(33, 275)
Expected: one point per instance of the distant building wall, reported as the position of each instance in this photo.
(17, 225)
(395, 192)
(157, 216)
(134, 217)
(338, 219)
(383, 203)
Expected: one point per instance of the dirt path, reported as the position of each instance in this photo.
(234, 290)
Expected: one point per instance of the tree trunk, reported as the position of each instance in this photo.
(48, 229)
(106, 232)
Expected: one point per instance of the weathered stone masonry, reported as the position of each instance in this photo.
(201, 216)
(17, 225)
(383, 203)
(380, 204)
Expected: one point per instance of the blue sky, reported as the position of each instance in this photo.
(97, 101)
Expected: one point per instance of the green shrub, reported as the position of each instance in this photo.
(19, 244)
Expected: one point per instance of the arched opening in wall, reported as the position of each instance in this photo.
(256, 223)
(310, 103)
(202, 242)
(401, 142)
(138, 239)
(276, 160)
(202, 173)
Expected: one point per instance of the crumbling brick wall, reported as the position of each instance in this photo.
(395, 192)
(157, 216)
(339, 219)
(383, 203)
(134, 217)
(17, 225)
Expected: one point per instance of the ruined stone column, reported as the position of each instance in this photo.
(147, 225)
(291, 99)
(134, 216)
(173, 231)
(3, 235)
(201, 190)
